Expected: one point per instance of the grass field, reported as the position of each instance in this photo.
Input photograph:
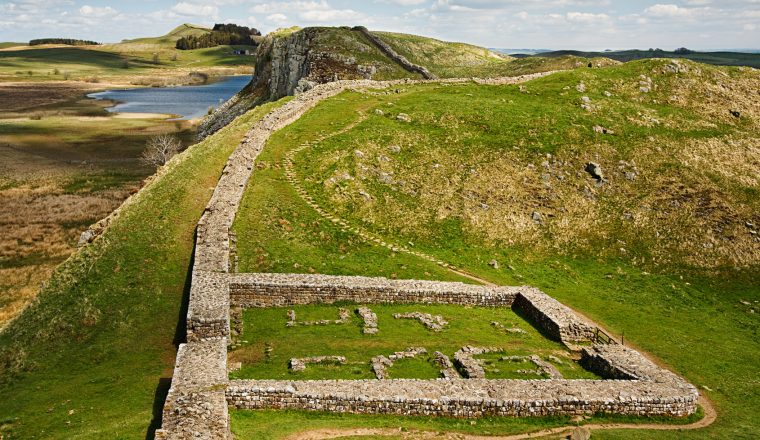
(271, 344)
(691, 306)
(100, 339)
(144, 61)
(64, 166)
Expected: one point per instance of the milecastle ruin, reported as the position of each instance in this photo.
(201, 392)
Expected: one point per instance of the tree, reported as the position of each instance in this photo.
(160, 149)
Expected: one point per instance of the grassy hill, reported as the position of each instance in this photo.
(447, 59)
(717, 58)
(119, 62)
(662, 251)
(183, 30)
(94, 353)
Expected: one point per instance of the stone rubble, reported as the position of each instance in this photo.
(343, 317)
(431, 322)
(381, 363)
(299, 364)
(471, 367)
(370, 320)
(448, 371)
(501, 326)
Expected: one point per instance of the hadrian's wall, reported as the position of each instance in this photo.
(648, 390)
(197, 403)
(466, 397)
(271, 290)
(395, 56)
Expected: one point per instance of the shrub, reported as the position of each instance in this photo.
(160, 149)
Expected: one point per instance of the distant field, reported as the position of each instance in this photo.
(7, 44)
(131, 60)
(271, 344)
(718, 58)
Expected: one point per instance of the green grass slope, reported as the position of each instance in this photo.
(664, 252)
(460, 60)
(94, 352)
(446, 59)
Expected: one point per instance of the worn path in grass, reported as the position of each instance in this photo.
(371, 238)
(326, 434)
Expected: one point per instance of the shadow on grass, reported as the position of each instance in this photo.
(180, 336)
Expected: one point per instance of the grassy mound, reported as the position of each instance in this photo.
(95, 351)
(663, 250)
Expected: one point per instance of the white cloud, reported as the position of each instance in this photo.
(195, 10)
(586, 17)
(669, 10)
(331, 15)
(97, 12)
(277, 18)
(405, 2)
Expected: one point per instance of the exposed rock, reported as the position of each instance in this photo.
(600, 129)
(379, 112)
(735, 113)
(494, 264)
(86, 237)
(581, 87)
(403, 117)
(394, 149)
(359, 154)
(595, 170)
(537, 218)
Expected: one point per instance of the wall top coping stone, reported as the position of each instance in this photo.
(360, 282)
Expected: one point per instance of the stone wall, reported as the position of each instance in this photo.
(467, 397)
(395, 56)
(273, 290)
(196, 406)
(553, 317)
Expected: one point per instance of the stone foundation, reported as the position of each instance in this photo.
(278, 290)
(466, 397)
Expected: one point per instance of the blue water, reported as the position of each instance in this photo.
(186, 102)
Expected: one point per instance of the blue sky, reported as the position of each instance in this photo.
(555, 24)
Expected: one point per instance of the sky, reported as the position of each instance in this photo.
(551, 24)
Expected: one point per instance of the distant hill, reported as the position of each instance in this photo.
(716, 58)
(170, 39)
(7, 44)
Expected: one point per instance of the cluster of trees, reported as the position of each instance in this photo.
(69, 41)
(222, 34)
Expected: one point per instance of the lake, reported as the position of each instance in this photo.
(187, 102)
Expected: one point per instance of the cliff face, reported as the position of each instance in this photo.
(288, 63)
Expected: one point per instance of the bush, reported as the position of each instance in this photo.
(160, 149)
